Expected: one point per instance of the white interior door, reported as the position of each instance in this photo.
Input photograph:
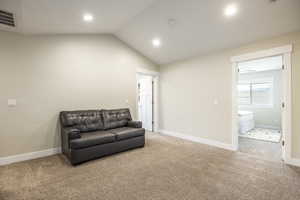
(145, 99)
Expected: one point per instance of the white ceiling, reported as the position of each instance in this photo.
(200, 27)
(65, 16)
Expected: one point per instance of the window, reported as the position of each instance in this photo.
(244, 93)
(256, 93)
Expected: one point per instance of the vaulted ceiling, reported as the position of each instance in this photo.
(185, 27)
(65, 16)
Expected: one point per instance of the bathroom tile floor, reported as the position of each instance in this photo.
(269, 135)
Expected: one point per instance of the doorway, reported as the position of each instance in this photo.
(284, 53)
(259, 89)
(145, 100)
(147, 86)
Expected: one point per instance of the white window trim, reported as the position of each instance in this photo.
(285, 51)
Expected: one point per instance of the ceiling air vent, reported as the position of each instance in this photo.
(7, 18)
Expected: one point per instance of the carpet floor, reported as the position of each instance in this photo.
(165, 169)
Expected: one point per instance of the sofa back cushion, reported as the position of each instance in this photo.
(84, 120)
(116, 118)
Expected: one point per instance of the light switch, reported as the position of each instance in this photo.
(12, 102)
(127, 101)
(216, 101)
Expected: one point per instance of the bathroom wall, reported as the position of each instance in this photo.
(264, 116)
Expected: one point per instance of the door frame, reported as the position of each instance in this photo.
(155, 93)
(285, 52)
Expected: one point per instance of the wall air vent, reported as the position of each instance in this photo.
(7, 18)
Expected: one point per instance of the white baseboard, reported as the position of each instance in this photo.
(28, 156)
(293, 161)
(39, 154)
(289, 161)
(199, 140)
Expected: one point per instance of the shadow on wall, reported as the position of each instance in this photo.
(52, 133)
(57, 135)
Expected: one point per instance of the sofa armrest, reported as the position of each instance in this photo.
(71, 133)
(135, 124)
(67, 134)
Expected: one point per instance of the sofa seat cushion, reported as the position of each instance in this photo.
(127, 132)
(92, 138)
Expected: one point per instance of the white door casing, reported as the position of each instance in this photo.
(285, 51)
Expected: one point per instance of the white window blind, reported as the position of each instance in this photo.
(244, 93)
(256, 93)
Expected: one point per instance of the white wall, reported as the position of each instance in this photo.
(188, 91)
(189, 88)
(48, 74)
(266, 117)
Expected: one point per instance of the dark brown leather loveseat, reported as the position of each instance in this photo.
(90, 134)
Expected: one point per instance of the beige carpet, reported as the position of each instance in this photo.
(166, 169)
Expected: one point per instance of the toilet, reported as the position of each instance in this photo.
(246, 121)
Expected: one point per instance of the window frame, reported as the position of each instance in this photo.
(258, 81)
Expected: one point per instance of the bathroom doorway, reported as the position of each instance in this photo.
(260, 107)
(261, 103)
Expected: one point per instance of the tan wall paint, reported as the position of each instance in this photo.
(188, 89)
(48, 74)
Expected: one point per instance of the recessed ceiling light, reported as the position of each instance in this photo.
(231, 10)
(172, 22)
(156, 42)
(88, 17)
